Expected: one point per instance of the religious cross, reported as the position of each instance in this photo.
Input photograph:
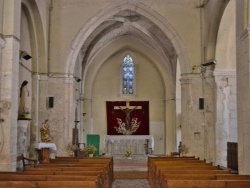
(127, 109)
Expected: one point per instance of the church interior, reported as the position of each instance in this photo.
(165, 73)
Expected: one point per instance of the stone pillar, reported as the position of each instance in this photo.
(23, 138)
(226, 113)
(36, 106)
(243, 100)
(9, 82)
(170, 106)
(192, 119)
(209, 114)
(243, 84)
(9, 93)
(62, 116)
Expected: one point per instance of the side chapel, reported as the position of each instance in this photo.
(173, 70)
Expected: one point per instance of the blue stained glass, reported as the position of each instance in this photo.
(128, 75)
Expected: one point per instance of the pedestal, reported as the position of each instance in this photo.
(23, 137)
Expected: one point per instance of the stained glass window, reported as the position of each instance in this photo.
(128, 75)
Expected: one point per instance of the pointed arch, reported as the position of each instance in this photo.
(115, 8)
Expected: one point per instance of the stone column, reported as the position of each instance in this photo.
(9, 93)
(62, 116)
(170, 106)
(226, 113)
(243, 85)
(192, 119)
(209, 114)
(243, 100)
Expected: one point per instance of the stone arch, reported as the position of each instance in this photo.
(112, 9)
(38, 40)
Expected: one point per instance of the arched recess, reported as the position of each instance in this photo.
(120, 45)
(38, 36)
(82, 40)
(38, 50)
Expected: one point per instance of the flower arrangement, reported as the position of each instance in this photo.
(72, 147)
(91, 149)
(128, 153)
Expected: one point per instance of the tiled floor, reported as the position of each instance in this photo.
(132, 183)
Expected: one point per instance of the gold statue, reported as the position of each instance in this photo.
(45, 132)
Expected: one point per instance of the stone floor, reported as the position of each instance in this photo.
(131, 183)
(130, 173)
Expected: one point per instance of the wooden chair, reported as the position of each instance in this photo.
(26, 161)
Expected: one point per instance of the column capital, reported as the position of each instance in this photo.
(188, 78)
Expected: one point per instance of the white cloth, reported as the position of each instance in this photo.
(119, 144)
(49, 145)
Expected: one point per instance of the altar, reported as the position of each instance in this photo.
(119, 144)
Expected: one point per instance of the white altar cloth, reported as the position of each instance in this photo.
(49, 145)
(119, 144)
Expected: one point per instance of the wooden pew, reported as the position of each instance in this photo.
(237, 184)
(154, 168)
(177, 173)
(194, 183)
(207, 184)
(48, 184)
(162, 166)
(188, 174)
(95, 160)
(19, 177)
(105, 181)
(87, 172)
(232, 177)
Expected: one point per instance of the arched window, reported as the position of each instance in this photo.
(128, 73)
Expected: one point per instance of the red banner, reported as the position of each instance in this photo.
(127, 117)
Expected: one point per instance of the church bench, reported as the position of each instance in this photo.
(164, 178)
(196, 174)
(232, 177)
(206, 184)
(193, 183)
(73, 165)
(16, 177)
(161, 172)
(153, 166)
(103, 177)
(153, 170)
(191, 176)
(94, 160)
(48, 184)
(104, 171)
(237, 183)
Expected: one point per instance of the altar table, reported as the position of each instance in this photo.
(44, 149)
(119, 144)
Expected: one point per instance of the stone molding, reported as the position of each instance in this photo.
(224, 73)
